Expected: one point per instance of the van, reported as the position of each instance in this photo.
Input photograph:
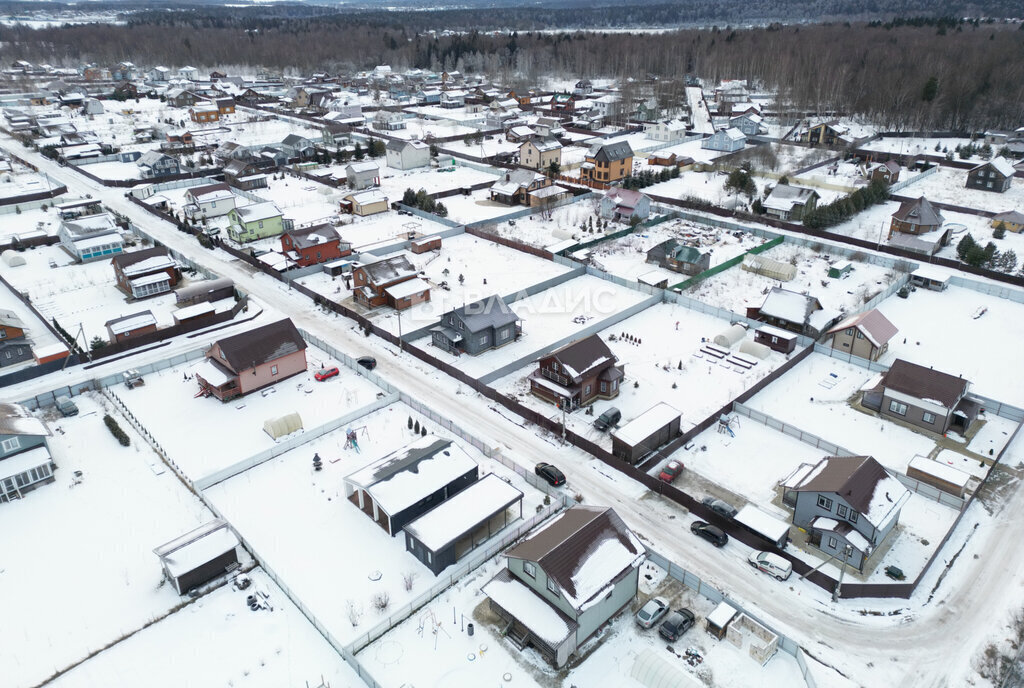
(608, 419)
(772, 564)
(66, 406)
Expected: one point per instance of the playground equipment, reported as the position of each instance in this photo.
(726, 422)
(352, 438)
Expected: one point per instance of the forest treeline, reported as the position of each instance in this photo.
(927, 74)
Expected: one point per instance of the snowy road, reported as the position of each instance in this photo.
(932, 645)
(699, 111)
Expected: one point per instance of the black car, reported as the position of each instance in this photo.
(554, 476)
(368, 362)
(677, 623)
(720, 507)
(713, 534)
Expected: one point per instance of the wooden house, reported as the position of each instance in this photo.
(252, 360)
(672, 255)
(129, 326)
(994, 175)
(578, 374)
(607, 162)
(477, 327)
(379, 283)
(866, 335)
(923, 397)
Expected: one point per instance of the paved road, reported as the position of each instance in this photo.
(932, 645)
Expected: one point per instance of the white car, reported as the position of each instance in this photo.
(771, 563)
(651, 613)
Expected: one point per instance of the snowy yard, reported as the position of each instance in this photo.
(85, 573)
(561, 224)
(476, 207)
(167, 403)
(313, 516)
(949, 185)
(912, 145)
(736, 289)
(226, 644)
(431, 179)
(300, 199)
(420, 128)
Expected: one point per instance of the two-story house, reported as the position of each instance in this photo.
(251, 360)
(787, 202)
(846, 501)
(407, 155)
(564, 583)
(751, 124)
(578, 374)
(157, 164)
(793, 311)
(622, 205)
(255, 221)
(14, 345)
(145, 273)
(517, 185)
(923, 397)
(477, 327)
(607, 162)
(866, 335)
(915, 217)
(538, 153)
(672, 255)
(296, 146)
(887, 172)
(90, 237)
(209, 200)
(312, 245)
(994, 175)
(725, 141)
(392, 281)
(362, 175)
(667, 130)
(25, 461)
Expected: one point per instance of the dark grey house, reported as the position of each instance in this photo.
(677, 257)
(924, 397)
(157, 164)
(477, 327)
(199, 556)
(25, 461)
(845, 500)
(14, 345)
(994, 175)
(449, 531)
(409, 482)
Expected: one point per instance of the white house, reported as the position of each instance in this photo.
(407, 155)
(624, 205)
(91, 237)
(667, 130)
(209, 200)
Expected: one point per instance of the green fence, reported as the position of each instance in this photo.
(728, 264)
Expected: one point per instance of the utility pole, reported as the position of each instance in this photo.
(846, 556)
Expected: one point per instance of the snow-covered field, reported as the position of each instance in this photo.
(394, 182)
(301, 200)
(736, 289)
(476, 207)
(949, 185)
(419, 128)
(912, 145)
(562, 223)
(166, 404)
(114, 170)
(32, 220)
(226, 644)
(78, 570)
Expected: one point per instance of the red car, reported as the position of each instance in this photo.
(325, 373)
(671, 471)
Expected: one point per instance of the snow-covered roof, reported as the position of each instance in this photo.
(931, 274)
(147, 265)
(462, 513)
(194, 310)
(777, 332)
(761, 522)
(15, 419)
(213, 372)
(131, 322)
(940, 470)
(368, 197)
(1000, 165)
(195, 548)
(646, 424)
(89, 242)
(784, 196)
(258, 211)
(155, 278)
(789, 305)
(529, 609)
(360, 167)
(721, 615)
(407, 288)
(24, 461)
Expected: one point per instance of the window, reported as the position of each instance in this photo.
(586, 390)
(775, 340)
(485, 339)
(849, 331)
(928, 417)
(221, 352)
(853, 516)
(860, 335)
(604, 387)
(11, 444)
(841, 511)
(530, 569)
(825, 503)
(3, 333)
(505, 332)
(552, 586)
(897, 408)
(273, 370)
(833, 543)
(430, 558)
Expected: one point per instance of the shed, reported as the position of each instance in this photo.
(719, 619)
(199, 556)
(12, 258)
(449, 531)
(754, 349)
(776, 338)
(192, 313)
(654, 278)
(769, 267)
(840, 269)
(424, 244)
(652, 670)
(282, 425)
(929, 279)
(729, 337)
(937, 474)
(205, 290)
(764, 524)
(647, 432)
(338, 267)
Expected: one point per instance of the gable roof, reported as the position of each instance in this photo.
(210, 192)
(785, 196)
(488, 312)
(680, 252)
(389, 270)
(584, 550)
(294, 140)
(624, 197)
(918, 212)
(580, 357)
(15, 419)
(1000, 165)
(862, 482)
(316, 235)
(875, 326)
(11, 319)
(609, 152)
(257, 211)
(925, 383)
(1012, 216)
(261, 345)
(155, 258)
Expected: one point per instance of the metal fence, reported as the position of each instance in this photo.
(931, 492)
(900, 185)
(736, 260)
(1001, 291)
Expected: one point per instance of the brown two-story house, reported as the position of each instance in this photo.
(316, 244)
(390, 281)
(578, 374)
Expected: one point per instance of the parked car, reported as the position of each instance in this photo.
(713, 534)
(132, 379)
(677, 623)
(368, 362)
(554, 476)
(66, 406)
(325, 374)
(608, 419)
(671, 471)
(720, 507)
(771, 563)
(651, 613)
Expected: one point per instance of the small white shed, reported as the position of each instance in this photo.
(12, 258)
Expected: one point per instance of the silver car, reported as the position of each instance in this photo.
(651, 613)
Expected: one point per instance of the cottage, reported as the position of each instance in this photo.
(848, 505)
(386, 120)
(225, 106)
(204, 113)
(775, 339)
(583, 87)
(477, 327)
(407, 483)
(567, 581)
(199, 556)
(453, 99)
(887, 172)
(866, 335)
(157, 164)
(296, 146)
(624, 205)
(607, 162)
(787, 202)
(362, 175)
(209, 200)
(181, 97)
(672, 255)
(517, 185)
(317, 244)
(251, 360)
(915, 217)
(363, 203)
(244, 175)
(994, 175)
(25, 461)
(407, 155)
(654, 428)
(548, 127)
(255, 221)
(923, 397)
(790, 310)
(666, 130)
(828, 133)
(134, 325)
(1011, 221)
(749, 123)
(145, 273)
(578, 374)
(378, 283)
(90, 237)
(725, 140)
(539, 153)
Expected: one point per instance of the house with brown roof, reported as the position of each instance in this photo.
(392, 281)
(145, 273)
(128, 326)
(866, 335)
(846, 502)
(251, 360)
(887, 172)
(578, 374)
(920, 220)
(317, 244)
(567, 581)
(923, 397)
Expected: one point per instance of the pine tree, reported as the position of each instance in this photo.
(965, 245)
(410, 422)
(416, 427)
